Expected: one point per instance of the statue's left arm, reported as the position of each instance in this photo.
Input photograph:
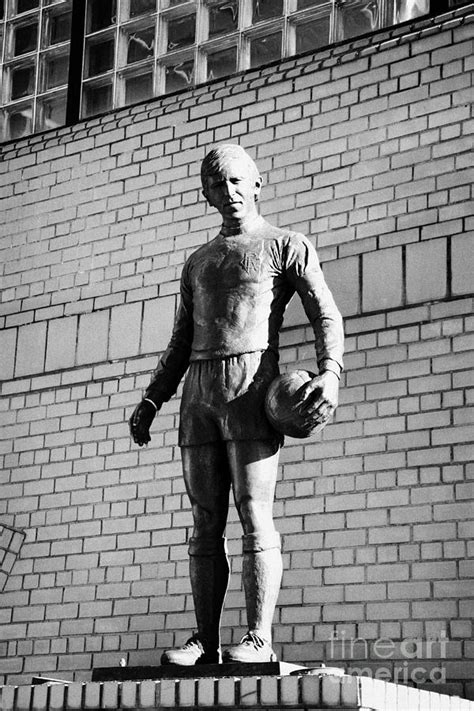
(304, 272)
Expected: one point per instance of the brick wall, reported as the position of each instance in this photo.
(365, 148)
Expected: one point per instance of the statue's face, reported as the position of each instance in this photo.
(234, 189)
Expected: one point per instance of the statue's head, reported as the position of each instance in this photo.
(231, 182)
(221, 157)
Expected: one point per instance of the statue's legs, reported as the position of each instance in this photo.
(207, 479)
(209, 471)
(253, 466)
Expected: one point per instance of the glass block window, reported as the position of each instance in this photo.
(137, 49)
(221, 62)
(138, 87)
(100, 55)
(34, 55)
(313, 34)
(179, 31)
(137, 44)
(265, 48)
(266, 9)
(409, 9)
(356, 17)
(222, 17)
(101, 14)
(178, 74)
(136, 8)
(97, 97)
(133, 50)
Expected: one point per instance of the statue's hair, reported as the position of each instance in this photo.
(218, 156)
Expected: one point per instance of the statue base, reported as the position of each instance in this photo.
(197, 671)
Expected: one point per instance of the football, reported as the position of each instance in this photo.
(282, 404)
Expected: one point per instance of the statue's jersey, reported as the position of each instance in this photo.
(234, 291)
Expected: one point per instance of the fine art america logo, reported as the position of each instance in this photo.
(405, 661)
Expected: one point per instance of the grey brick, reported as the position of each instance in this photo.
(30, 349)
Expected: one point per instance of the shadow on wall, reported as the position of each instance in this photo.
(11, 540)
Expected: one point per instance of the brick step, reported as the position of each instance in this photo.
(309, 692)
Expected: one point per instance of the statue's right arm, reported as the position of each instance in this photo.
(171, 368)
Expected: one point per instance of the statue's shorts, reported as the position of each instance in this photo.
(223, 399)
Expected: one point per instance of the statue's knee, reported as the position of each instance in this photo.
(255, 513)
(208, 523)
(261, 541)
(207, 546)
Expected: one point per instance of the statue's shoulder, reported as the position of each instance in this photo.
(283, 237)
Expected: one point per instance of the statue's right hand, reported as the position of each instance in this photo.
(140, 422)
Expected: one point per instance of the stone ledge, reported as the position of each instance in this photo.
(348, 693)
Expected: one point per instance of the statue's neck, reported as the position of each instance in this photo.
(241, 227)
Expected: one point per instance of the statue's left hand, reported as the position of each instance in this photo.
(320, 396)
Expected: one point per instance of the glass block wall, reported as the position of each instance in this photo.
(136, 49)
